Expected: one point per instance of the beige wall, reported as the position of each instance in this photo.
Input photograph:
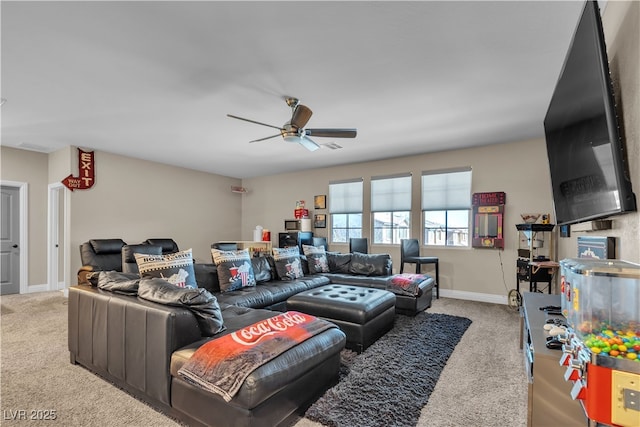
(519, 169)
(31, 167)
(135, 200)
(132, 199)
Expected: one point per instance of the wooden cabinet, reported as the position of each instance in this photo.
(549, 395)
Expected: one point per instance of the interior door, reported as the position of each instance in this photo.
(10, 239)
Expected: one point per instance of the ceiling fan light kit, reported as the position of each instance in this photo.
(294, 131)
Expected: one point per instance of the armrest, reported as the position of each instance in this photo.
(128, 339)
(83, 272)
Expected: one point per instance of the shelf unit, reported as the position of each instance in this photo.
(536, 261)
(256, 248)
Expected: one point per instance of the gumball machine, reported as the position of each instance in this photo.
(601, 300)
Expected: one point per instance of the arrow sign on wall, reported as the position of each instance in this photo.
(86, 169)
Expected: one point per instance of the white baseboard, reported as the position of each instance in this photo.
(474, 296)
(37, 288)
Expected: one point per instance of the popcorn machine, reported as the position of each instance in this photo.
(601, 351)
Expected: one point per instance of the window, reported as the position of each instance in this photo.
(345, 207)
(446, 203)
(391, 208)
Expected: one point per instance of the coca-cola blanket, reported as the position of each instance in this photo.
(222, 365)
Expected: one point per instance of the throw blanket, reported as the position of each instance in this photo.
(222, 365)
(406, 283)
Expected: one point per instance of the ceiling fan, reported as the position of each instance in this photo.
(294, 130)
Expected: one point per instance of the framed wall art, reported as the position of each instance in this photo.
(320, 221)
(320, 202)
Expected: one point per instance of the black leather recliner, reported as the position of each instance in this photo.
(225, 246)
(100, 255)
(129, 264)
(168, 246)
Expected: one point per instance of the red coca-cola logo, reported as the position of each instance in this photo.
(253, 334)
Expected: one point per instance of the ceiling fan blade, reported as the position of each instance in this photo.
(332, 133)
(308, 143)
(253, 121)
(265, 138)
(301, 116)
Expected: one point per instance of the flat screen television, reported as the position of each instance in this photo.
(587, 160)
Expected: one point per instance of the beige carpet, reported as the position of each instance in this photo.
(483, 384)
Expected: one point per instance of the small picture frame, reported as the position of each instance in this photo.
(320, 221)
(320, 201)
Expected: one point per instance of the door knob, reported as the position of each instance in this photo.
(14, 246)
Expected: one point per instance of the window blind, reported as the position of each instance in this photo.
(446, 190)
(391, 193)
(345, 197)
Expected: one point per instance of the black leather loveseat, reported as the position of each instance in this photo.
(140, 345)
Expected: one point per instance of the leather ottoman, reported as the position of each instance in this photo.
(363, 314)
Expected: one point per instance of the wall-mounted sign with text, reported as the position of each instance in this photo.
(86, 172)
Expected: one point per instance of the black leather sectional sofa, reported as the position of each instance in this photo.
(140, 345)
(365, 270)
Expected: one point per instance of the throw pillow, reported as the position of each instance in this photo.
(317, 258)
(288, 263)
(234, 269)
(115, 281)
(175, 268)
(202, 304)
(261, 269)
(339, 263)
(370, 264)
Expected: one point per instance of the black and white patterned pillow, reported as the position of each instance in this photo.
(234, 269)
(317, 259)
(288, 263)
(176, 268)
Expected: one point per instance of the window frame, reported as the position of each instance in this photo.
(391, 195)
(448, 207)
(339, 205)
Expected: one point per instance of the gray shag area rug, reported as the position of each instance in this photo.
(390, 382)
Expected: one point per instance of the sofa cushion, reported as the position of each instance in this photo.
(288, 263)
(201, 302)
(261, 269)
(234, 269)
(175, 268)
(338, 263)
(316, 258)
(370, 264)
